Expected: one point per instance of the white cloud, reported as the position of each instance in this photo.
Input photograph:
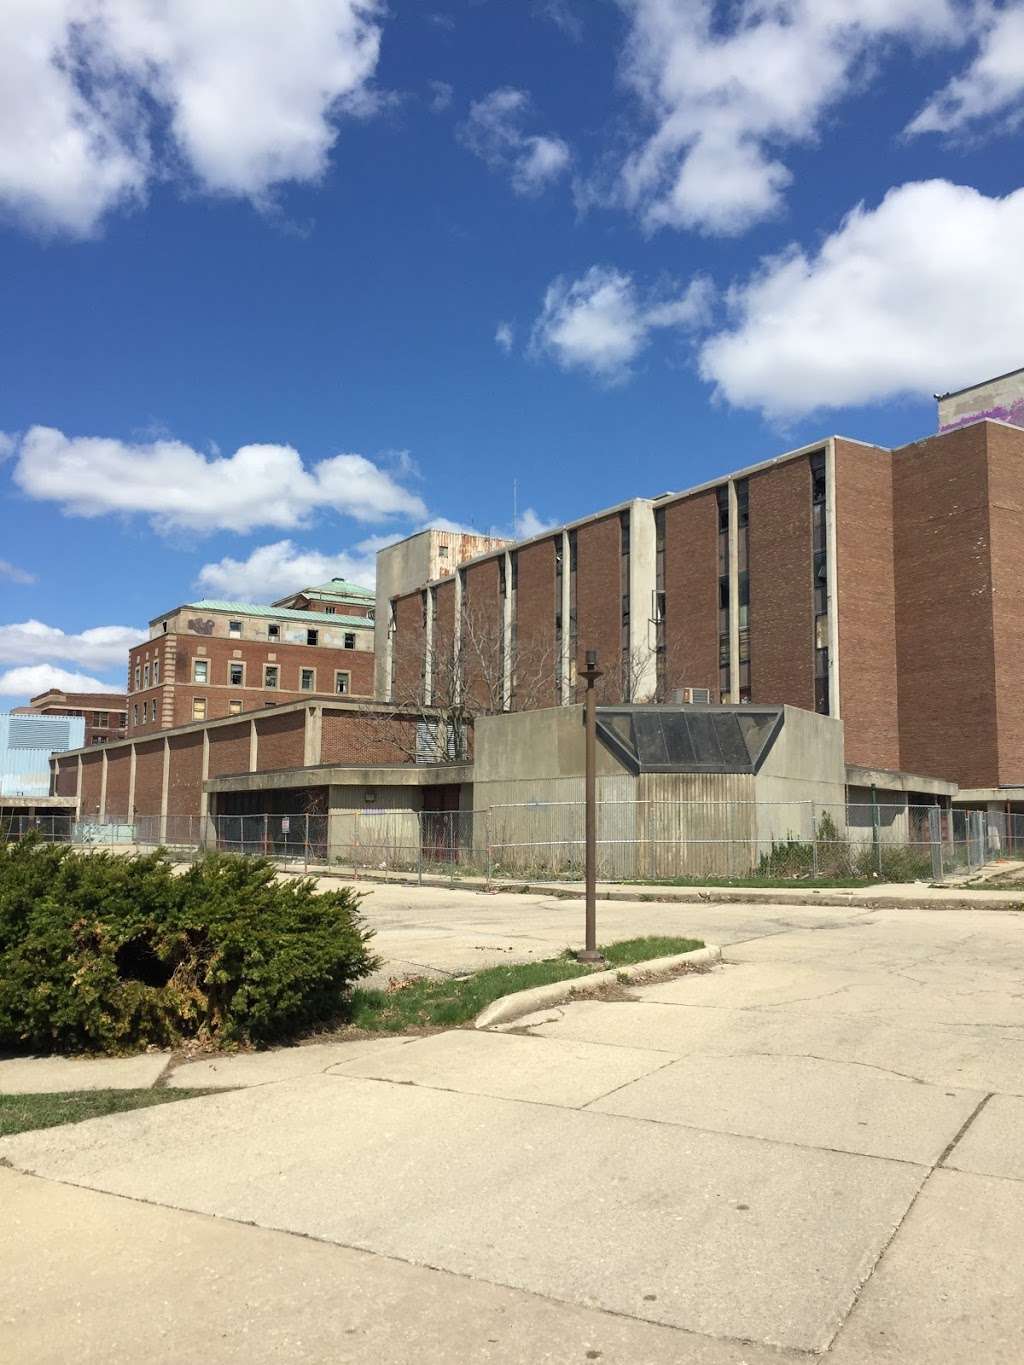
(35, 678)
(180, 488)
(250, 97)
(912, 297)
(563, 15)
(601, 322)
(494, 132)
(992, 84)
(505, 336)
(101, 647)
(529, 523)
(273, 571)
(441, 95)
(16, 575)
(723, 91)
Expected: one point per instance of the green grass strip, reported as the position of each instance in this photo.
(21, 1113)
(427, 1003)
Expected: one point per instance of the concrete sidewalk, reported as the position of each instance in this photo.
(814, 1148)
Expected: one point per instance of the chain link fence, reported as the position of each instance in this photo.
(637, 841)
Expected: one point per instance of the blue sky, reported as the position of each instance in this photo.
(281, 285)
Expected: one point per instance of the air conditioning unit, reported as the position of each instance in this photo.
(688, 696)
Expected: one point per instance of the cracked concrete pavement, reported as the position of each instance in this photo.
(812, 1149)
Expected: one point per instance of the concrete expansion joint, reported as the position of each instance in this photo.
(883, 1250)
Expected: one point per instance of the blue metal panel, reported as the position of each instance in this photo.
(26, 743)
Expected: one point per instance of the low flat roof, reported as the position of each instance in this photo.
(891, 780)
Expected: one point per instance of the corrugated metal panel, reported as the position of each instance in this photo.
(25, 770)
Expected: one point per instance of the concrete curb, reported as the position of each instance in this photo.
(694, 895)
(517, 1004)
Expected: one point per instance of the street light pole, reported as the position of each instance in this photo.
(591, 673)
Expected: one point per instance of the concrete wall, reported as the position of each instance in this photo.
(380, 832)
(805, 765)
(1001, 399)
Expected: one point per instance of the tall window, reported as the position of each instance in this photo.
(574, 637)
(236, 674)
(145, 675)
(312, 637)
(307, 679)
(270, 675)
(659, 599)
(513, 638)
(200, 670)
(819, 582)
(198, 708)
(235, 630)
(627, 661)
(724, 676)
(350, 635)
(341, 682)
(558, 617)
(743, 569)
(156, 672)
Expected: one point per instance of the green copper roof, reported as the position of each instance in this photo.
(340, 587)
(325, 618)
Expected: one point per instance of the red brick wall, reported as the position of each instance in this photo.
(598, 603)
(781, 603)
(691, 593)
(217, 691)
(944, 635)
(92, 779)
(118, 781)
(535, 624)
(67, 777)
(408, 644)
(482, 629)
(229, 749)
(149, 776)
(185, 773)
(350, 737)
(1006, 510)
(280, 741)
(869, 694)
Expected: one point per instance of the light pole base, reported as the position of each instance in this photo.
(590, 955)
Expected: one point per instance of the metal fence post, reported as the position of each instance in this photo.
(814, 839)
(487, 837)
(419, 846)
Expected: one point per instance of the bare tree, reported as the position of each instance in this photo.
(487, 668)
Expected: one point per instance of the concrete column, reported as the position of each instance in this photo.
(506, 626)
(428, 651)
(165, 787)
(313, 736)
(131, 783)
(203, 798)
(254, 742)
(832, 581)
(734, 596)
(642, 573)
(566, 698)
(103, 787)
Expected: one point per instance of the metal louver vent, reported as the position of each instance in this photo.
(39, 732)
